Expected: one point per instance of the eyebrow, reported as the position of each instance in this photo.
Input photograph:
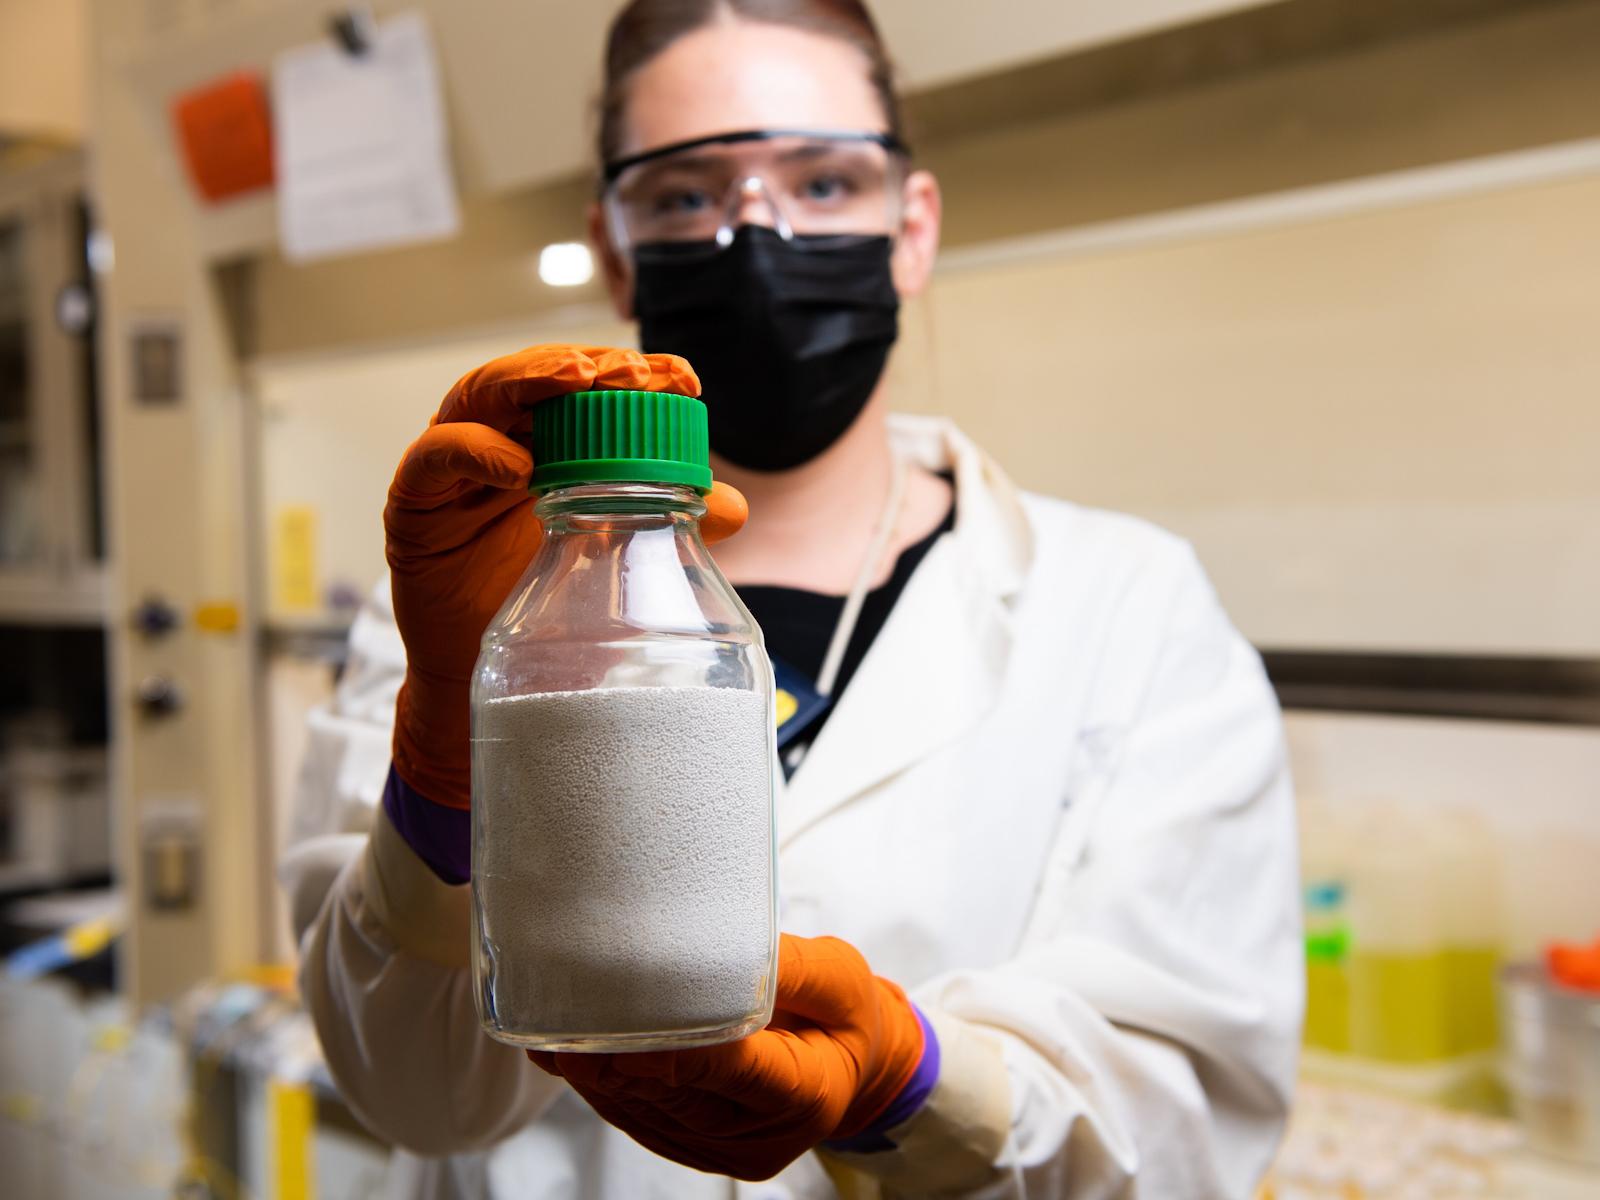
(611, 170)
(811, 150)
(692, 162)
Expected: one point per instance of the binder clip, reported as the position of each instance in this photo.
(353, 29)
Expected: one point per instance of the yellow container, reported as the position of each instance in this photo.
(1424, 919)
(1399, 1005)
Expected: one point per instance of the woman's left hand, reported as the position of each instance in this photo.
(842, 1047)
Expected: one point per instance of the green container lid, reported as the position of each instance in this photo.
(620, 437)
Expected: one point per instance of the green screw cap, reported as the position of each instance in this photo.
(620, 437)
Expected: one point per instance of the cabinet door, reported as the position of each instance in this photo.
(50, 529)
(22, 516)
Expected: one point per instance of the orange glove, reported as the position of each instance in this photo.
(842, 1046)
(459, 530)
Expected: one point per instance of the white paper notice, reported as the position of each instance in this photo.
(362, 152)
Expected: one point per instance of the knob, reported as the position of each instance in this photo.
(157, 696)
(155, 617)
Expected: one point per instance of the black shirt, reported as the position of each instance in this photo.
(798, 624)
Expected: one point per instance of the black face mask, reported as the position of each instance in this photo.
(789, 338)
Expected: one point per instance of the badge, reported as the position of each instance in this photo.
(798, 702)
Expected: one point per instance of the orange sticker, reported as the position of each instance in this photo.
(225, 131)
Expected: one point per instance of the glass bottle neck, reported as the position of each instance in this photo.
(613, 507)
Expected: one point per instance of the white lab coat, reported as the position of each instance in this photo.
(1053, 803)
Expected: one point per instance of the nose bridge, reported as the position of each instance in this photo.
(751, 201)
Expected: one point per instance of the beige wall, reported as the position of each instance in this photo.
(333, 426)
(1381, 428)
(1476, 89)
(938, 40)
(175, 501)
(44, 57)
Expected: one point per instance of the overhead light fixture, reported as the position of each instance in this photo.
(566, 264)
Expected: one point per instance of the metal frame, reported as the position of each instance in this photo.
(1543, 690)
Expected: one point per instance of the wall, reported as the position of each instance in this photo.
(175, 502)
(332, 428)
(1464, 91)
(937, 42)
(44, 56)
(1379, 427)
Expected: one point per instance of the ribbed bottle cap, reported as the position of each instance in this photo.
(620, 437)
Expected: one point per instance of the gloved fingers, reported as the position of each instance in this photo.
(824, 980)
(422, 527)
(619, 368)
(682, 1114)
(545, 1060)
(435, 467)
(645, 1127)
(616, 368)
(768, 1076)
(726, 512)
(415, 531)
(669, 373)
(500, 393)
(717, 1146)
(745, 1067)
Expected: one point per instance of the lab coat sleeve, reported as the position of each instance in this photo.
(384, 943)
(1148, 1028)
(386, 976)
(346, 757)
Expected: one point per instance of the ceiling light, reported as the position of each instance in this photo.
(566, 264)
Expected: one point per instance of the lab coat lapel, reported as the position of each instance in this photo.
(936, 667)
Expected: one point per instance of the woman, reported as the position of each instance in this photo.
(1040, 787)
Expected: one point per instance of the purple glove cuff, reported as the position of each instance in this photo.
(440, 836)
(903, 1107)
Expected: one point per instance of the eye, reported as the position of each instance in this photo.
(680, 202)
(828, 187)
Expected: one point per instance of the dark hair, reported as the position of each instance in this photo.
(644, 28)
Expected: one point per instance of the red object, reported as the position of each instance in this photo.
(1574, 966)
(225, 132)
(842, 1044)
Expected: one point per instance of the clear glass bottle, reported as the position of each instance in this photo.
(623, 866)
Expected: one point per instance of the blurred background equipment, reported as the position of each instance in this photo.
(1316, 281)
(1553, 1055)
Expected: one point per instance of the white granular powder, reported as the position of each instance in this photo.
(624, 857)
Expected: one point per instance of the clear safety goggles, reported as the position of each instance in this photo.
(800, 182)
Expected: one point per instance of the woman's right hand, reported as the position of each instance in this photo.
(459, 530)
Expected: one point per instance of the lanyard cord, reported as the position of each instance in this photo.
(842, 632)
(851, 613)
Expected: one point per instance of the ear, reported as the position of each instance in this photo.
(918, 244)
(616, 268)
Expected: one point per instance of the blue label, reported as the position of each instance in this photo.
(798, 702)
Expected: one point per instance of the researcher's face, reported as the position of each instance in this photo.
(738, 75)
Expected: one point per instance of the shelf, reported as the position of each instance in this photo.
(34, 597)
(323, 639)
(1544, 690)
(16, 435)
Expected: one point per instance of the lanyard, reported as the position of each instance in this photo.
(851, 613)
